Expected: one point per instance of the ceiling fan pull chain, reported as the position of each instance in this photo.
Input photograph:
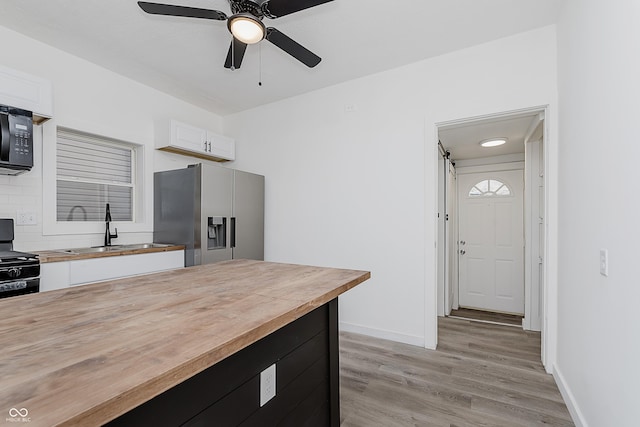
(260, 65)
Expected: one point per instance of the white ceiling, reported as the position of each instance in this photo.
(463, 140)
(185, 56)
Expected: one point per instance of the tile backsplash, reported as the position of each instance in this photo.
(23, 193)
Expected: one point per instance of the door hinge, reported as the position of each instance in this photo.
(539, 260)
(446, 217)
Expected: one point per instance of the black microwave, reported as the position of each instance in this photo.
(16, 140)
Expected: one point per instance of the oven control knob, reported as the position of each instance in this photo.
(14, 272)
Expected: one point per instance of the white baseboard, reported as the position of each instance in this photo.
(383, 334)
(569, 399)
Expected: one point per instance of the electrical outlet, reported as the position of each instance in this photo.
(267, 384)
(26, 218)
(604, 262)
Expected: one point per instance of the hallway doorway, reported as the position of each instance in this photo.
(491, 239)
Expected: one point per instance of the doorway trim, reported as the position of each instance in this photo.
(534, 142)
(549, 286)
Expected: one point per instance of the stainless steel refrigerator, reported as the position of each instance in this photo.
(217, 213)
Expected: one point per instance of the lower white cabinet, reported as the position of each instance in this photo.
(58, 275)
(54, 275)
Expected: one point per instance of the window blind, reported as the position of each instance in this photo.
(91, 172)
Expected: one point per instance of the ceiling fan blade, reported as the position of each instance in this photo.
(237, 49)
(173, 10)
(277, 8)
(293, 48)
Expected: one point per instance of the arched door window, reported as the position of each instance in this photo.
(490, 188)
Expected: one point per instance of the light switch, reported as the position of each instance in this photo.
(604, 262)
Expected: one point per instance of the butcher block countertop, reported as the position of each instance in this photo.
(83, 356)
(57, 255)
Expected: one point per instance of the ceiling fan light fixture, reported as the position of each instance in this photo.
(493, 142)
(246, 28)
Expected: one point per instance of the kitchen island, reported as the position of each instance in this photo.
(186, 346)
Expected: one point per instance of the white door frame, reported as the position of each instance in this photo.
(441, 236)
(533, 218)
(549, 291)
(452, 277)
(447, 232)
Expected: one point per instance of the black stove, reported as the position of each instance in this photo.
(19, 271)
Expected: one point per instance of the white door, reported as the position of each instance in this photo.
(491, 241)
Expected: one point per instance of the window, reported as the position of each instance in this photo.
(489, 187)
(92, 171)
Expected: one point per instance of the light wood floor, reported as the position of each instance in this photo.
(480, 375)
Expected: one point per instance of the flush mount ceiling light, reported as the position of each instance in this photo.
(246, 28)
(493, 142)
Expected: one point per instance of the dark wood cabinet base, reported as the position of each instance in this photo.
(228, 394)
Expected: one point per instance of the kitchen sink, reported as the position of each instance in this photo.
(143, 246)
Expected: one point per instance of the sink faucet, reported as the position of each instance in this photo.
(107, 234)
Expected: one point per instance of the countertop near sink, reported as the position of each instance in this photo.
(57, 255)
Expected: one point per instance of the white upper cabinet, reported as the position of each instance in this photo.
(22, 90)
(194, 141)
(221, 146)
(189, 137)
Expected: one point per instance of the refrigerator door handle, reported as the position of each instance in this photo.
(233, 232)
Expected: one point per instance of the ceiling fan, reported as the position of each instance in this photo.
(245, 25)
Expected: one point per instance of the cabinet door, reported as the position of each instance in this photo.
(54, 275)
(99, 269)
(188, 137)
(25, 91)
(221, 146)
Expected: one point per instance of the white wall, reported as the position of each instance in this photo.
(599, 331)
(92, 99)
(357, 189)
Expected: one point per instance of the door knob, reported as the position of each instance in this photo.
(462, 242)
(462, 252)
